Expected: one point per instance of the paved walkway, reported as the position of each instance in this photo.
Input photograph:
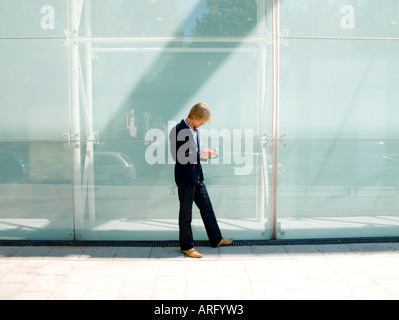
(339, 271)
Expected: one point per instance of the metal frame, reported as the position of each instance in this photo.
(276, 120)
(81, 102)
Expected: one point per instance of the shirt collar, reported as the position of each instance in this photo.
(195, 129)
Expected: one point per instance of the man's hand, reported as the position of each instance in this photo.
(206, 154)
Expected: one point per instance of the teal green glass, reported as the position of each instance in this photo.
(89, 91)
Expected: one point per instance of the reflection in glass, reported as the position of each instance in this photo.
(30, 209)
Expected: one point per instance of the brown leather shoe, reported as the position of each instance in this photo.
(192, 253)
(225, 242)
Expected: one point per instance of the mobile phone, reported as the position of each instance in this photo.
(214, 155)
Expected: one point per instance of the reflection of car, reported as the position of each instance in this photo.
(113, 168)
(109, 168)
(13, 168)
(237, 169)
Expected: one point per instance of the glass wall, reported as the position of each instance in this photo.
(339, 116)
(34, 116)
(89, 91)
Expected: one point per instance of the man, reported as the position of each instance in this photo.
(184, 142)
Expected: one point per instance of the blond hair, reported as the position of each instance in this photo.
(200, 112)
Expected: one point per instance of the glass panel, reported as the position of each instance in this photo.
(353, 96)
(33, 18)
(340, 18)
(174, 18)
(143, 87)
(339, 189)
(134, 112)
(35, 201)
(34, 117)
(33, 89)
(339, 118)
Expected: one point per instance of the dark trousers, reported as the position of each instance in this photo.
(190, 192)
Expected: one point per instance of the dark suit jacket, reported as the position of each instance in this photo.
(184, 152)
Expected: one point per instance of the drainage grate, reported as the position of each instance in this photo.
(236, 243)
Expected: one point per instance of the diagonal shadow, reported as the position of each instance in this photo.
(176, 76)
